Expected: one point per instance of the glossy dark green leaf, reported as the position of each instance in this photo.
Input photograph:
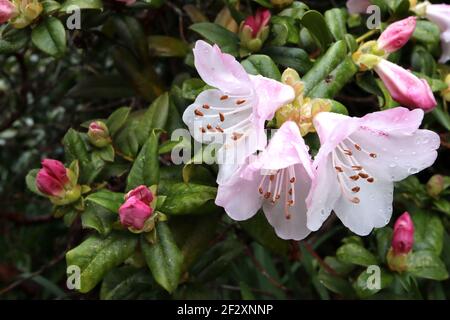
(294, 58)
(117, 119)
(263, 65)
(315, 23)
(109, 86)
(82, 4)
(50, 37)
(429, 232)
(336, 19)
(13, 40)
(164, 46)
(107, 199)
(145, 170)
(30, 181)
(367, 284)
(98, 218)
(97, 255)
(225, 39)
(154, 118)
(356, 254)
(427, 264)
(163, 258)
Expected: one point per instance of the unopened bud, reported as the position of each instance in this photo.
(99, 134)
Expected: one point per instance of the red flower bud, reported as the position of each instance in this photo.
(258, 21)
(134, 213)
(142, 193)
(403, 239)
(52, 178)
(397, 35)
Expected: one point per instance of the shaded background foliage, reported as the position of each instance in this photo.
(41, 97)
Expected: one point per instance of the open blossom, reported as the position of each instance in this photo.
(233, 115)
(440, 14)
(357, 6)
(360, 159)
(403, 238)
(136, 209)
(6, 10)
(397, 35)
(52, 178)
(278, 180)
(405, 87)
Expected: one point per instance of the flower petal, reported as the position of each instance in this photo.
(271, 96)
(294, 228)
(239, 197)
(221, 70)
(395, 120)
(323, 194)
(373, 211)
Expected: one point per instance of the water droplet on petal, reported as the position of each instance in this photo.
(413, 170)
(392, 165)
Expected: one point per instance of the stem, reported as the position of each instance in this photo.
(366, 35)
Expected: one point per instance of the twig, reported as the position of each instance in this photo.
(324, 265)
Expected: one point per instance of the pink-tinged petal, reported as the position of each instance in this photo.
(397, 35)
(286, 148)
(239, 197)
(405, 87)
(214, 114)
(323, 195)
(374, 209)
(332, 128)
(258, 21)
(357, 6)
(439, 14)
(395, 120)
(271, 96)
(6, 10)
(142, 193)
(397, 155)
(221, 70)
(445, 44)
(134, 213)
(295, 227)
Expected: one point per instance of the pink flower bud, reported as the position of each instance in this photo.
(403, 239)
(99, 134)
(142, 193)
(357, 6)
(134, 213)
(52, 178)
(6, 10)
(258, 21)
(397, 35)
(405, 87)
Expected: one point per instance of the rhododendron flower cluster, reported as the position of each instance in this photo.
(352, 174)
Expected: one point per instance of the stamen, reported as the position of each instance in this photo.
(238, 102)
(357, 168)
(236, 135)
(354, 178)
(198, 113)
(356, 189)
(363, 175)
(357, 147)
(224, 97)
(339, 169)
(202, 130)
(373, 155)
(205, 106)
(221, 116)
(370, 180)
(209, 126)
(219, 129)
(356, 200)
(348, 152)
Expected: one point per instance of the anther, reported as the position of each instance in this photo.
(221, 116)
(202, 130)
(339, 169)
(238, 102)
(356, 189)
(292, 180)
(205, 106)
(373, 155)
(224, 97)
(354, 178)
(267, 195)
(357, 168)
(363, 175)
(357, 147)
(198, 113)
(236, 135)
(290, 191)
(219, 129)
(355, 200)
(261, 190)
(370, 179)
(348, 152)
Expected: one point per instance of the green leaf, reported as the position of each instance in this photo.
(107, 199)
(13, 40)
(325, 65)
(225, 39)
(30, 181)
(294, 58)
(356, 254)
(191, 88)
(117, 119)
(316, 25)
(75, 147)
(188, 198)
(263, 65)
(429, 232)
(426, 32)
(163, 258)
(145, 170)
(441, 116)
(366, 286)
(260, 230)
(422, 61)
(336, 20)
(384, 238)
(50, 37)
(98, 218)
(284, 30)
(427, 264)
(154, 118)
(335, 81)
(125, 282)
(335, 284)
(96, 256)
(164, 46)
